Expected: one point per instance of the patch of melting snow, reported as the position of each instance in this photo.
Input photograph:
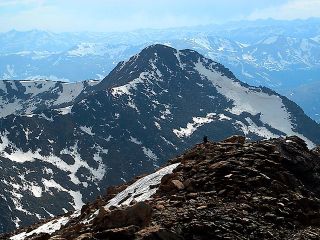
(193, 126)
(17, 155)
(132, 105)
(141, 190)
(165, 112)
(42, 115)
(87, 130)
(135, 140)
(148, 152)
(144, 77)
(27, 133)
(49, 227)
(157, 71)
(16, 222)
(65, 110)
(223, 117)
(253, 128)
(16, 198)
(125, 89)
(177, 54)
(76, 195)
(36, 191)
(157, 125)
(49, 213)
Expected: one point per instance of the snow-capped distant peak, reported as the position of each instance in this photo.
(84, 49)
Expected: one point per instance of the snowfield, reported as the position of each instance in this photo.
(270, 107)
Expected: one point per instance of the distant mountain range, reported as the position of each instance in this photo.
(65, 143)
(281, 55)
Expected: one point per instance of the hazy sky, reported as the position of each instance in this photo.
(123, 15)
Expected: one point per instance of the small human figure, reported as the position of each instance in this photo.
(205, 139)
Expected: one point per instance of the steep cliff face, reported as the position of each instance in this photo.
(231, 189)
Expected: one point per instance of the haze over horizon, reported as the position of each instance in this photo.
(126, 15)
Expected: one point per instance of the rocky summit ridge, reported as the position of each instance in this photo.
(231, 189)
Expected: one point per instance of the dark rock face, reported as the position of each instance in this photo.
(147, 110)
(226, 190)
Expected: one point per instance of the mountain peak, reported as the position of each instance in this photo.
(158, 47)
(163, 49)
(177, 71)
(167, 53)
(156, 57)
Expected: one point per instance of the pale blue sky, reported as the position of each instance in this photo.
(124, 15)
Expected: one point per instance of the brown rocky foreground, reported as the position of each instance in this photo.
(227, 190)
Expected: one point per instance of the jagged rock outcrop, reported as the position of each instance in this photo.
(226, 190)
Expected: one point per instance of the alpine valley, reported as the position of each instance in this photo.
(63, 144)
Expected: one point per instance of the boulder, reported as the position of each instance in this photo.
(235, 139)
(138, 214)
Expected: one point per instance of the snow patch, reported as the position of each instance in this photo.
(193, 126)
(157, 125)
(177, 54)
(84, 49)
(148, 152)
(49, 227)
(87, 130)
(65, 110)
(125, 89)
(135, 140)
(253, 128)
(17, 155)
(36, 191)
(76, 195)
(140, 190)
